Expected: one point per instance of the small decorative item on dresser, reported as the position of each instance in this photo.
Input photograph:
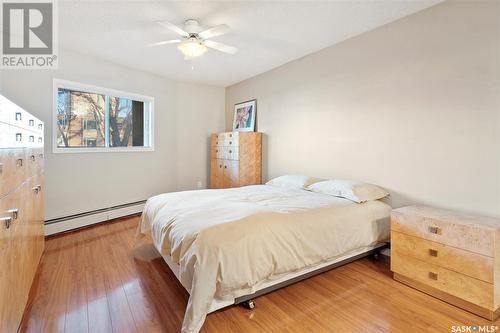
(236, 159)
(244, 116)
(454, 257)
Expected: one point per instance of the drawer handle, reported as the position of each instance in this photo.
(14, 212)
(37, 189)
(216, 150)
(19, 137)
(225, 166)
(18, 116)
(230, 135)
(32, 157)
(434, 230)
(230, 151)
(32, 138)
(40, 126)
(40, 155)
(230, 142)
(19, 162)
(433, 253)
(433, 276)
(7, 221)
(217, 142)
(31, 122)
(220, 166)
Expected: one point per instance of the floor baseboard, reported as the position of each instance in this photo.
(83, 220)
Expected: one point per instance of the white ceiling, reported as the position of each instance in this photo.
(267, 33)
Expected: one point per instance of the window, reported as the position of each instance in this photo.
(90, 125)
(90, 119)
(90, 142)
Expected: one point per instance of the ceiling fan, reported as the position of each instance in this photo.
(195, 39)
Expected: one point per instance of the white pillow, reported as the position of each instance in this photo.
(350, 189)
(293, 181)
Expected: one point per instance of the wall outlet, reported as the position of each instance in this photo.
(199, 184)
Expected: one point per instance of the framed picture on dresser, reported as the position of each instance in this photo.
(244, 116)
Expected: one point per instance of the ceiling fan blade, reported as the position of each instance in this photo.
(215, 31)
(221, 47)
(165, 42)
(174, 28)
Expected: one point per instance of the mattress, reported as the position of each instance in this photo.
(228, 242)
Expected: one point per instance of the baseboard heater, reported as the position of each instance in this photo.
(76, 221)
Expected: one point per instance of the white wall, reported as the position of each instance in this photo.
(185, 115)
(413, 106)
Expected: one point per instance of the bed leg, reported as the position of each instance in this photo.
(250, 304)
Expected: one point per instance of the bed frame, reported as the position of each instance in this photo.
(269, 286)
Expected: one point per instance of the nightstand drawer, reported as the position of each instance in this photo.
(461, 261)
(456, 284)
(474, 238)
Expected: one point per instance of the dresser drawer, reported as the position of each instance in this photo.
(468, 263)
(217, 152)
(214, 140)
(231, 139)
(474, 238)
(225, 153)
(12, 169)
(34, 161)
(467, 288)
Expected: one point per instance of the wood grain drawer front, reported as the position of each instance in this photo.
(216, 172)
(230, 176)
(16, 278)
(217, 152)
(474, 238)
(231, 139)
(227, 153)
(467, 288)
(7, 313)
(468, 263)
(12, 169)
(232, 153)
(214, 140)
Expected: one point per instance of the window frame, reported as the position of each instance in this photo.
(65, 84)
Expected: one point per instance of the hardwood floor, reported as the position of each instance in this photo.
(99, 280)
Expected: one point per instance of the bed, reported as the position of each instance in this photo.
(227, 246)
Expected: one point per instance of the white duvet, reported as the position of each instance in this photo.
(227, 242)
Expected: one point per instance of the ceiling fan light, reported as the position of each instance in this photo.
(192, 48)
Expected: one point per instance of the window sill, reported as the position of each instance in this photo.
(101, 150)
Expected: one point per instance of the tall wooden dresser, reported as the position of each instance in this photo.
(21, 209)
(452, 256)
(236, 159)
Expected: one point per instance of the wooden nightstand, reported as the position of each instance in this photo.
(454, 257)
